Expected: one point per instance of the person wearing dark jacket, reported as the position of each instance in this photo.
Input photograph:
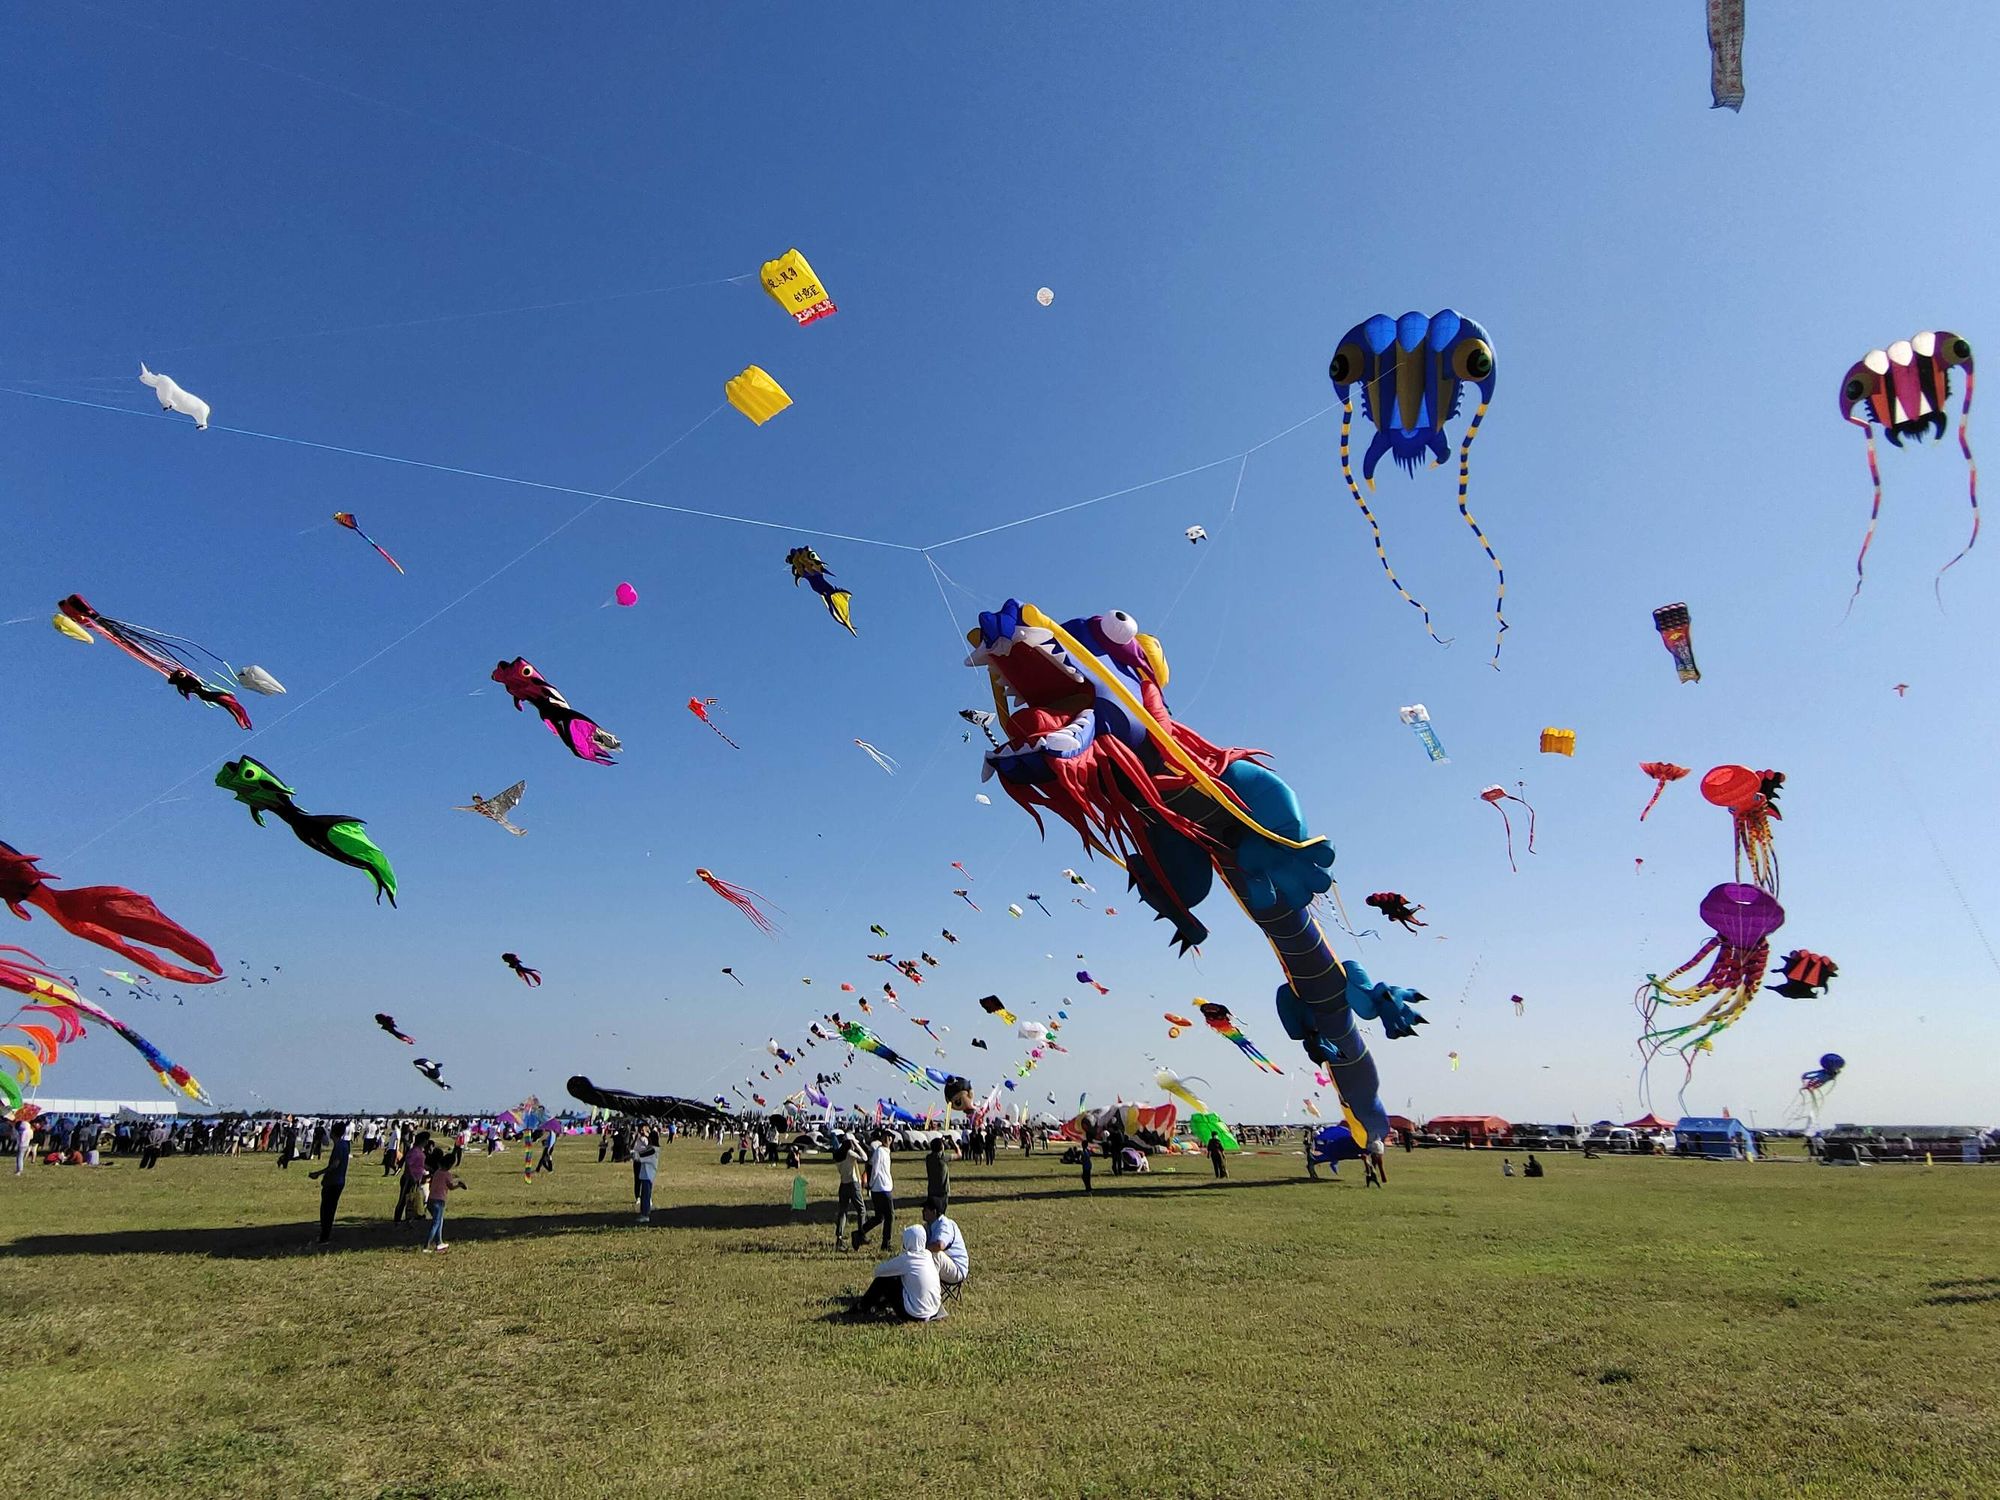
(332, 1178)
(937, 1176)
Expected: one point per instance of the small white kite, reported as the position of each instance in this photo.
(257, 680)
(1196, 534)
(1045, 296)
(498, 806)
(173, 398)
(886, 762)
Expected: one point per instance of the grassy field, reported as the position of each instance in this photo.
(1620, 1328)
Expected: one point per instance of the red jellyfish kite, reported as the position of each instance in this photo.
(739, 897)
(1752, 800)
(1662, 772)
(1498, 794)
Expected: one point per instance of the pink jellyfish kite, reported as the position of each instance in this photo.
(739, 897)
(1498, 794)
(626, 595)
(1662, 772)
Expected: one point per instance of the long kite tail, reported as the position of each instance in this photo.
(381, 549)
(1347, 473)
(1504, 823)
(1499, 573)
(724, 738)
(1972, 485)
(1875, 513)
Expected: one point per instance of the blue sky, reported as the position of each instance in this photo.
(289, 212)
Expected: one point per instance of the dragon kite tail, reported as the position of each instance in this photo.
(1374, 526)
(1972, 484)
(1499, 573)
(1320, 1004)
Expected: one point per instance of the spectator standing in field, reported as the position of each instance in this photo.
(1378, 1158)
(1087, 1152)
(646, 1167)
(24, 1144)
(440, 1183)
(847, 1157)
(937, 1175)
(881, 1194)
(548, 1161)
(332, 1178)
(1215, 1155)
(416, 1169)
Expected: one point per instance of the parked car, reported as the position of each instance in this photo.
(1616, 1138)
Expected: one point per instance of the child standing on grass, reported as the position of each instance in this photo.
(441, 1183)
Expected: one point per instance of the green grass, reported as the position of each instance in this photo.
(1620, 1328)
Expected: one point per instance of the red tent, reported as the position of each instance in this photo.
(1649, 1121)
(1479, 1129)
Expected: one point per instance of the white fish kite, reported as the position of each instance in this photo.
(886, 762)
(497, 806)
(257, 680)
(173, 398)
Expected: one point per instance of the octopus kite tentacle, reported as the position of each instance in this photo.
(1972, 484)
(110, 916)
(1500, 573)
(1381, 554)
(1875, 514)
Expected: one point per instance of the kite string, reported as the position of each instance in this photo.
(376, 656)
(443, 468)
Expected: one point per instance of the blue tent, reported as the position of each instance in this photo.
(1717, 1137)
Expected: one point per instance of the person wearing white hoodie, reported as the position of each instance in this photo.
(906, 1284)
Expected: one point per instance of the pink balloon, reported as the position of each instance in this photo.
(627, 595)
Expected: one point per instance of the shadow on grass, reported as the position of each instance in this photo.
(1959, 1299)
(270, 1241)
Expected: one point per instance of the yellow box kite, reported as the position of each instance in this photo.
(790, 281)
(756, 395)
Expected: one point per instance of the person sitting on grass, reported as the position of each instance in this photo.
(1532, 1168)
(1506, 1167)
(906, 1286)
(946, 1245)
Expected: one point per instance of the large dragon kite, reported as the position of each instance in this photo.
(1089, 738)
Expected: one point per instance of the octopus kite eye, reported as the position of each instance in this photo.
(1961, 351)
(1855, 389)
(1118, 628)
(1346, 365)
(1473, 361)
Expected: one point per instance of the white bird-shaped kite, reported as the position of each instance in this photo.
(256, 680)
(498, 806)
(173, 398)
(1197, 534)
